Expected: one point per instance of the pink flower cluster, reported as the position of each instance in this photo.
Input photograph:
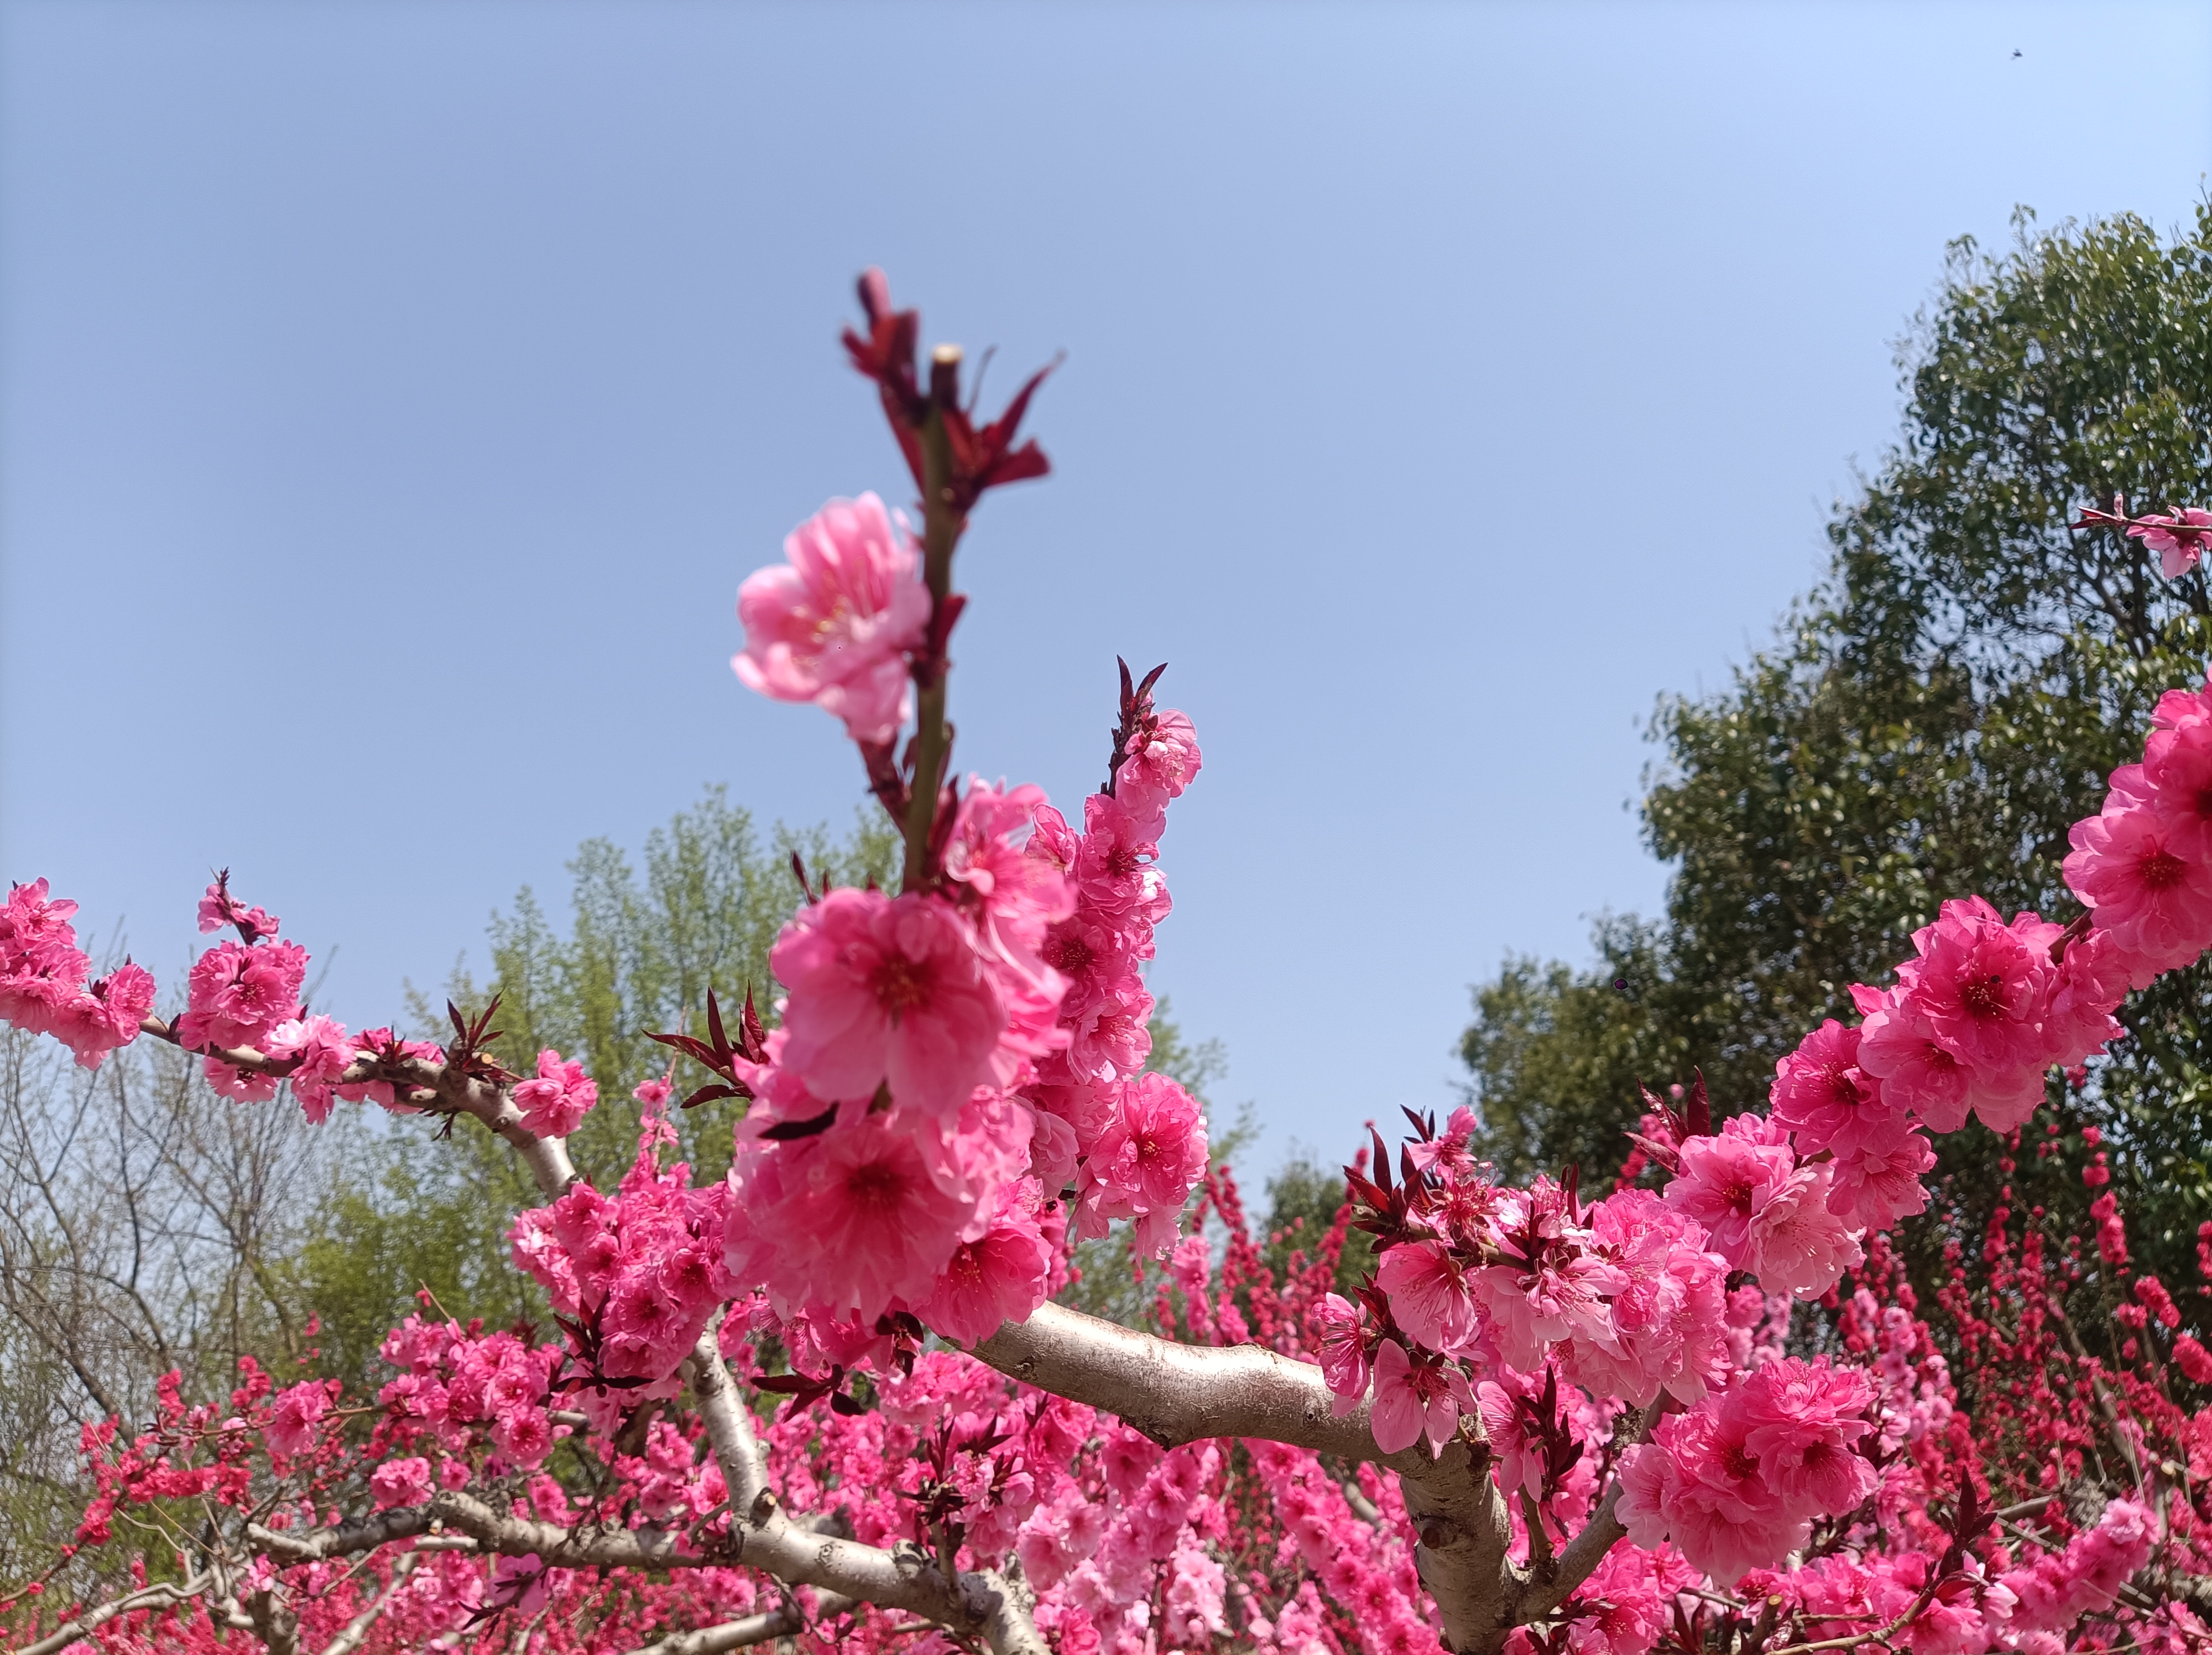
(47, 985)
(2142, 865)
(1735, 1483)
(461, 1393)
(953, 1061)
(638, 1274)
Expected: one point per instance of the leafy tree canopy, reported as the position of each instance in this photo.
(1928, 721)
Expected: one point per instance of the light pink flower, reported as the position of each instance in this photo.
(886, 989)
(1430, 1297)
(862, 1223)
(1669, 1327)
(1346, 1341)
(554, 1104)
(1416, 1399)
(1876, 1181)
(1163, 759)
(2178, 540)
(1154, 1141)
(833, 624)
(1897, 1047)
(322, 1051)
(1011, 895)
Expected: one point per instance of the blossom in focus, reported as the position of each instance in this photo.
(1346, 1362)
(1824, 1098)
(554, 1103)
(1416, 1399)
(2139, 871)
(996, 1278)
(1160, 760)
(1985, 988)
(321, 1052)
(833, 624)
(237, 994)
(404, 1481)
(1430, 1298)
(886, 989)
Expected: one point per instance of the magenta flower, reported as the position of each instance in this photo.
(832, 625)
(2138, 870)
(1824, 1098)
(997, 1278)
(866, 1223)
(237, 994)
(1416, 1399)
(886, 989)
(555, 1104)
(1897, 1047)
(1345, 1342)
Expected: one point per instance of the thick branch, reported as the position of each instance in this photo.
(1182, 1393)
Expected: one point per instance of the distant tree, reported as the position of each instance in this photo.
(1929, 720)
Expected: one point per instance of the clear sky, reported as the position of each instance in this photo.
(392, 396)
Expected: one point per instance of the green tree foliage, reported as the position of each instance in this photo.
(1928, 723)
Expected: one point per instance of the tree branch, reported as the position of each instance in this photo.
(786, 1623)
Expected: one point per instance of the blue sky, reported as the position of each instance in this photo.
(392, 396)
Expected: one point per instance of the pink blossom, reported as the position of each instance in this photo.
(238, 995)
(1668, 1328)
(555, 1104)
(853, 1220)
(1802, 1420)
(400, 1482)
(1011, 896)
(2177, 777)
(2178, 540)
(2093, 979)
(1162, 759)
(1148, 1155)
(218, 908)
(104, 1015)
(2142, 874)
(1114, 1036)
(1557, 1284)
(296, 1416)
(1345, 1342)
(997, 1278)
(886, 989)
(1114, 868)
(1897, 1047)
(1985, 988)
(1825, 1098)
(321, 1052)
(1430, 1298)
(2193, 1360)
(1876, 1182)
(1416, 1399)
(833, 624)
(1696, 1485)
(1765, 1212)
(2055, 1592)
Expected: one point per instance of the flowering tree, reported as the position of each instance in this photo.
(830, 1398)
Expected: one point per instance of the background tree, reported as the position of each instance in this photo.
(1929, 720)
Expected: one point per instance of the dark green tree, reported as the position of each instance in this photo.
(1928, 723)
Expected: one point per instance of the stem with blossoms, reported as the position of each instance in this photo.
(831, 1397)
